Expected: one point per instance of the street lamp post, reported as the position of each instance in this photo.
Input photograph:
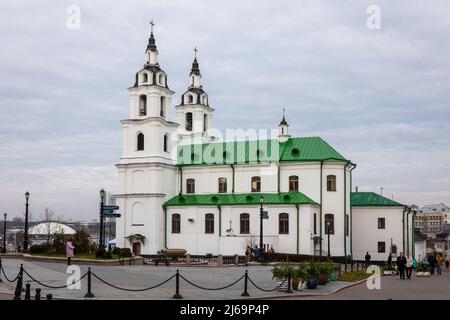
(328, 233)
(25, 237)
(261, 241)
(4, 232)
(102, 203)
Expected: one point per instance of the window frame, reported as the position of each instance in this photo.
(190, 186)
(176, 223)
(383, 243)
(257, 181)
(244, 223)
(294, 183)
(189, 121)
(327, 218)
(381, 226)
(331, 183)
(140, 141)
(283, 223)
(222, 184)
(209, 223)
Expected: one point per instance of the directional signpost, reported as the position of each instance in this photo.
(111, 215)
(265, 215)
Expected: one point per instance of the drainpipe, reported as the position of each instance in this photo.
(403, 227)
(350, 232)
(320, 217)
(232, 179)
(165, 226)
(413, 234)
(181, 180)
(407, 229)
(298, 228)
(345, 208)
(278, 179)
(220, 220)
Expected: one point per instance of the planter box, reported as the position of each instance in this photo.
(422, 274)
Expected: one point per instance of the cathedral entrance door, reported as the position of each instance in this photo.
(136, 248)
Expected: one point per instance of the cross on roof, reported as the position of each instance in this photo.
(195, 52)
(151, 25)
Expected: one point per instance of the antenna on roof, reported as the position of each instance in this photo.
(381, 191)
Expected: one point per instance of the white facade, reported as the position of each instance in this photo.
(367, 235)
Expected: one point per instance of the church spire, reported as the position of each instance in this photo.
(283, 129)
(151, 51)
(195, 75)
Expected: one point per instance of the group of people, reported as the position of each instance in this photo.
(406, 264)
(253, 253)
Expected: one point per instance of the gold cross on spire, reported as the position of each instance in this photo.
(195, 52)
(151, 25)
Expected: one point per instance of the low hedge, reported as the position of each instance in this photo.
(282, 257)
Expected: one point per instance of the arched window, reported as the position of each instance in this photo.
(190, 186)
(293, 183)
(190, 98)
(161, 79)
(162, 104)
(205, 119)
(209, 223)
(222, 185)
(142, 105)
(205, 100)
(256, 184)
(283, 223)
(189, 121)
(145, 77)
(192, 83)
(140, 141)
(166, 142)
(176, 223)
(329, 223)
(244, 220)
(331, 183)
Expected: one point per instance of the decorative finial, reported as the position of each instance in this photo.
(151, 26)
(195, 52)
(283, 122)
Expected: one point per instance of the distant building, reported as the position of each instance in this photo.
(430, 219)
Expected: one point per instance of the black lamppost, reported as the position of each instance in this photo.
(261, 242)
(328, 233)
(102, 202)
(25, 237)
(4, 233)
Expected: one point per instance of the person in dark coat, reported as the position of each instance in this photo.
(432, 262)
(389, 261)
(367, 258)
(401, 265)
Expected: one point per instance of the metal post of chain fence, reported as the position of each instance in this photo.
(49, 296)
(28, 292)
(1, 270)
(245, 293)
(289, 290)
(18, 291)
(177, 294)
(21, 276)
(38, 294)
(89, 293)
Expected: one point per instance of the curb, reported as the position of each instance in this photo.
(116, 262)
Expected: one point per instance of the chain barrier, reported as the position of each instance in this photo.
(53, 287)
(6, 277)
(127, 289)
(267, 290)
(212, 289)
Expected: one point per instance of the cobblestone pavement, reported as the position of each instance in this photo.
(418, 288)
(142, 276)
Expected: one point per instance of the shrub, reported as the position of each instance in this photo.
(100, 253)
(59, 242)
(116, 251)
(275, 256)
(39, 248)
(81, 241)
(126, 253)
(423, 267)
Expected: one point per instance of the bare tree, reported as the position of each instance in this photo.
(48, 219)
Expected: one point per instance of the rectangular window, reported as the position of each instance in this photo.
(347, 226)
(176, 223)
(293, 183)
(209, 223)
(190, 186)
(315, 223)
(381, 223)
(381, 247)
(245, 223)
(256, 184)
(331, 183)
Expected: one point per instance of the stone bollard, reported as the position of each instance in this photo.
(220, 260)
(49, 296)
(28, 292)
(38, 294)
(188, 259)
(236, 260)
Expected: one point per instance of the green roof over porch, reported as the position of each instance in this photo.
(226, 199)
(372, 199)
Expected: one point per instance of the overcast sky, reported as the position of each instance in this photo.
(378, 96)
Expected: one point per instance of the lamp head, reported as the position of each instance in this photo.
(102, 194)
(27, 195)
(261, 199)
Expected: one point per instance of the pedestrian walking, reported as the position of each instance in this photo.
(367, 258)
(409, 265)
(446, 262)
(432, 263)
(69, 251)
(414, 264)
(248, 255)
(439, 264)
(401, 265)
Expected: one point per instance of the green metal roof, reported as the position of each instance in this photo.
(258, 151)
(224, 199)
(372, 199)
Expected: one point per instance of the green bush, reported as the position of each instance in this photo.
(39, 248)
(423, 267)
(100, 253)
(116, 251)
(59, 243)
(81, 241)
(126, 253)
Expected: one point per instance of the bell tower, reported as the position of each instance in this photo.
(194, 114)
(147, 168)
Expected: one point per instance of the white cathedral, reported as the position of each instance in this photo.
(181, 188)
